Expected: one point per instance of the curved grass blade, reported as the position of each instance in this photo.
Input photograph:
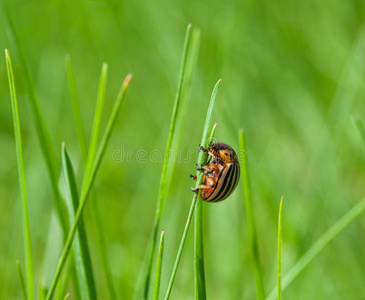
(199, 278)
(68, 295)
(83, 264)
(95, 215)
(69, 275)
(87, 183)
(191, 63)
(97, 120)
(21, 174)
(42, 131)
(260, 290)
(201, 159)
(42, 291)
(361, 128)
(156, 289)
(21, 279)
(322, 243)
(76, 110)
(279, 247)
(163, 183)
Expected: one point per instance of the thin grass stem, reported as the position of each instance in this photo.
(191, 63)
(21, 279)
(76, 110)
(21, 174)
(279, 247)
(156, 289)
(360, 127)
(199, 278)
(95, 214)
(163, 183)
(97, 119)
(68, 295)
(88, 181)
(40, 125)
(322, 243)
(260, 290)
(83, 264)
(201, 159)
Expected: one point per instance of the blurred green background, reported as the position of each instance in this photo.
(292, 79)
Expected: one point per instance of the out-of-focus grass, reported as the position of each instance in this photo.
(22, 185)
(283, 65)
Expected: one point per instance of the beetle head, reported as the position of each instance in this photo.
(224, 152)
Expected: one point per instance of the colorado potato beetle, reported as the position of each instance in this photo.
(222, 173)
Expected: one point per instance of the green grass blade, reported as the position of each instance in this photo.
(201, 159)
(361, 128)
(260, 290)
(156, 289)
(69, 275)
(87, 184)
(163, 183)
(199, 278)
(68, 295)
(42, 131)
(97, 119)
(100, 237)
(21, 279)
(42, 291)
(76, 110)
(322, 243)
(95, 216)
(279, 247)
(83, 264)
(21, 173)
(191, 63)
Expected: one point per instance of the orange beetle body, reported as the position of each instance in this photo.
(221, 175)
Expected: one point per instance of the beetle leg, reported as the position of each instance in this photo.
(220, 167)
(205, 168)
(193, 176)
(200, 187)
(211, 175)
(212, 155)
(201, 148)
(207, 151)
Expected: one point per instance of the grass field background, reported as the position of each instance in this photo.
(293, 79)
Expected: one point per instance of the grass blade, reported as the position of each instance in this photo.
(260, 290)
(156, 290)
(361, 128)
(163, 183)
(199, 278)
(83, 264)
(76, 110)
(201, 159)
(279, 247)
(21, 173)
(42, 131)
(87, 183)
(69, 275)
(322, 243)
(191, 63)
(21, 279)
(67, 296)
(42, 291)
(97, 120)
(95, 216)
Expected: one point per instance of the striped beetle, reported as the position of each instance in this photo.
(222, 173)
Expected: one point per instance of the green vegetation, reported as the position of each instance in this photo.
(84, 223)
